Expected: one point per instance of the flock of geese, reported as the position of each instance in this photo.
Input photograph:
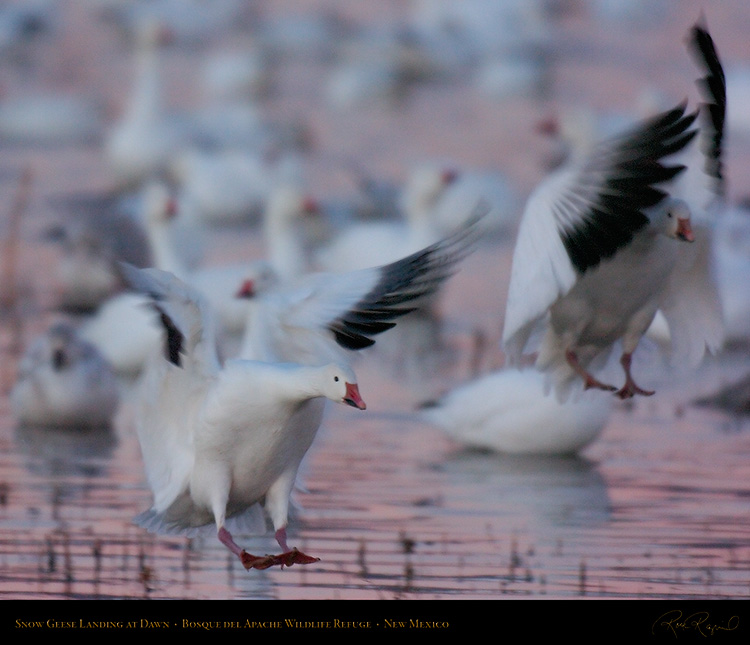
(619, 233)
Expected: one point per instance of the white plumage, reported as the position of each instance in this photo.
(217, 441)
(599, 250)
(509, 411)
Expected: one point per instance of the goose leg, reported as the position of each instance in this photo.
(588, 380)
(249, 561)
(291, 556)
(630, 388)
(277, 505)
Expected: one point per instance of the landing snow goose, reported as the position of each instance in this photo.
(509, 411)
(63, 381)
(600, 250)
(220, 441)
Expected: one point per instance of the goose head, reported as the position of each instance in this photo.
(673, 219)
(258, 281)
(424, 189)
(339, 384)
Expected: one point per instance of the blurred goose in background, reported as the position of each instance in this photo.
(231, 185)
(123, 328)
(50, 118)
(593, 265)
(63, 381)
(471, 187)
(285, 259)
(141, 143)
(237, 74)
(94, 233)
(219, 442)
(368, 244)
(503, 46)
(510, 411)
(191, 22)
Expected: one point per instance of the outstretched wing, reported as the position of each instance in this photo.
(329, 314)
(703, 184)
(186, 319)
(691, 304)
(585, 213)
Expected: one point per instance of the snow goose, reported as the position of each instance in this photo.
(141, 143)
(237, 74)
(509, 411)
(100, 230)
(49, 118)
(63, 381)
(470, 187)
(217, 442)
(122, 328)
(599, 251)
(231, 185)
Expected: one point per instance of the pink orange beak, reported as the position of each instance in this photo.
(685, 231)
(353, 398)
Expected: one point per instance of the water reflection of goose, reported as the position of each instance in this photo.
(535, 490)
(71, 451)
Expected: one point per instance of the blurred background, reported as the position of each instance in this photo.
(123, 120)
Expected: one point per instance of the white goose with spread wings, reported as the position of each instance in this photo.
(599, 249)
(218, 441)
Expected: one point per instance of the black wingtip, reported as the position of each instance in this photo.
(637, 170)
(713, 89)
(404, 282)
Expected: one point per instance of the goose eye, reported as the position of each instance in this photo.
(669, 214)
(336, 378)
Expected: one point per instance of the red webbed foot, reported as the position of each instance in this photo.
(629, 390)
(286, 559)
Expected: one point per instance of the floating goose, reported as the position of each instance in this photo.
(63, 381)
(509, 411)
